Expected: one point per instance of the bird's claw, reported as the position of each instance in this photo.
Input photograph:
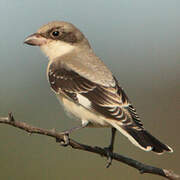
(109, 157)
(65, 141)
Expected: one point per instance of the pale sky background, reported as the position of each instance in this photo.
(138, 40)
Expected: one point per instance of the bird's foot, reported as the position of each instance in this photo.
(109, 151)
(65, 141)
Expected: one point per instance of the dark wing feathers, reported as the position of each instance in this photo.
(68, 81)
(110, 102)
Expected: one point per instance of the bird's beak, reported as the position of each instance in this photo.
(35, 40)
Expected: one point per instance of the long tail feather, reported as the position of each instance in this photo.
(143, 139)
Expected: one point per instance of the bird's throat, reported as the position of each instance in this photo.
(56, 49)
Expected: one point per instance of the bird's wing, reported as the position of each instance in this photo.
(110, 102)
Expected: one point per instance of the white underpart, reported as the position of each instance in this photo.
(83, 101)
(83, 113)
(54, 49)
(149, 148)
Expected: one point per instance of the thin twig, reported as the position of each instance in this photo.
(143, 168)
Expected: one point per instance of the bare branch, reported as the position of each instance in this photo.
(143, 168)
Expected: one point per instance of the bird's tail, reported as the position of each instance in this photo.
(143, 139)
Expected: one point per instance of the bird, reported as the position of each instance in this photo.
(87, 89)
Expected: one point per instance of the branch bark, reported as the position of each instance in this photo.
(143, 168)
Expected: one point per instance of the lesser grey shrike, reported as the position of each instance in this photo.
(87, 88)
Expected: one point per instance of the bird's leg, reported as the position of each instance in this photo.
(110, 148)
(66, 133)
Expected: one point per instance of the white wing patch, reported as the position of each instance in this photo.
(83, 101)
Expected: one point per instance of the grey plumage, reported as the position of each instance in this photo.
(88, 65)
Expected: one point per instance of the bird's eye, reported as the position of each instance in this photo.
(55, 33)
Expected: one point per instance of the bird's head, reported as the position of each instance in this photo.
(57, 38)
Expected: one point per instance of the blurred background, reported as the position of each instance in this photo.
(138, 40)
